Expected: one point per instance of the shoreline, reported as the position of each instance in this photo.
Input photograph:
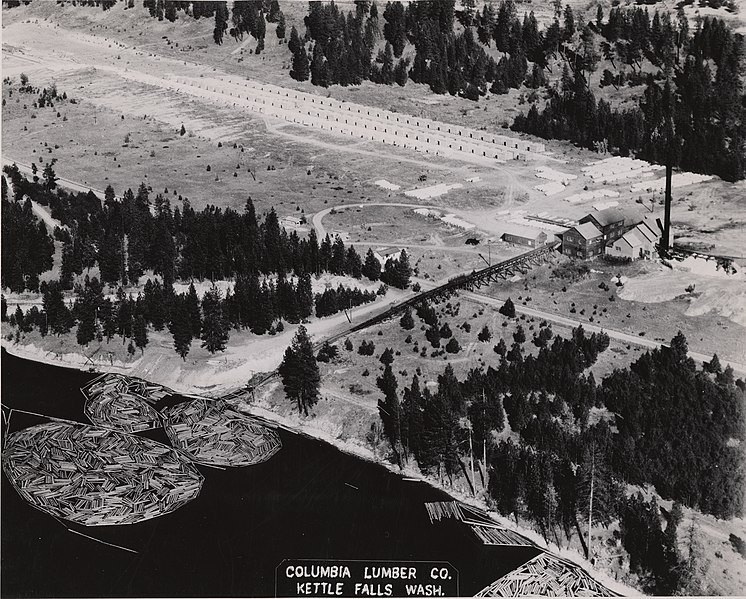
(306, 428)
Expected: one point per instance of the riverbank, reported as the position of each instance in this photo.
(341, 427)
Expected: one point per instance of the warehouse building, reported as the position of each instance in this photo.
(583, 241)
(522, 235)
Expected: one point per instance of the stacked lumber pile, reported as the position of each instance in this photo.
(484, 527)
(546, 575)
(96, 476)
(210, 432)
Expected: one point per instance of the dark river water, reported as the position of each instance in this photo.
(309, 501)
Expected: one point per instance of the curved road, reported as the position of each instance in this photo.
(321, 230)
(318, 217)
(61, 181)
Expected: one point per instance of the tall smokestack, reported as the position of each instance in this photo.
(667, 215)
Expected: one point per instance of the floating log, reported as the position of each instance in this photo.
(484, 527)
(97, 477)
(438, 510)
(210, 432)
(491, 535)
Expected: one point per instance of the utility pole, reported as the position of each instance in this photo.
(471, 465)
(484, 437)
(590, 503)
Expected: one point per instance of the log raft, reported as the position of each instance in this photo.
(547, 575)
(212, 433)
(96, 476)
(124, 403)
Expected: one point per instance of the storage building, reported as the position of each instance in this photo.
(522, 235)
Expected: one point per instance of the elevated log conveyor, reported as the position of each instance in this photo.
(469, 281)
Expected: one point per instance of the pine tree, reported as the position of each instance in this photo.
(18, 317)
(304, 295)
(194, 316)
(411, 421)
(300, 372)
(294, 42)
(86, 331)
(280, 30)
(214, 325)
(508, 308)
(371, 266)
(300, 69)
(389, 410)
(181, 329)
(353, 264)
(221, 21)
(140, 333)
(401, 72)
(387, 68)
(403, 270)
(59, 318)
(319, 69)
(50, 178)
(406, 321)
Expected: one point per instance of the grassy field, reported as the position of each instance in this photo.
(707, 333)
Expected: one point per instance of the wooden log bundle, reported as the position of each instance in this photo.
(210, 432)
(96, 476)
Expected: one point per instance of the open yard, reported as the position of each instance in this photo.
(642, 314)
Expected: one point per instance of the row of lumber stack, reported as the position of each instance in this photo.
(546, 575)
(96, 476)
(210, 432)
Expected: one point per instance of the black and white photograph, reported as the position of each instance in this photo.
(372, 298)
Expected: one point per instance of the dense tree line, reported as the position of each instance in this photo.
(675, 426)
(332, 301)
(695, 86)
(27, 248)
(260, 307)
(690, 113)
(680, 428)
(705, 106)
(130, 235)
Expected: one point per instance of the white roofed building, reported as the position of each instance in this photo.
(383, 255)
(523, 235)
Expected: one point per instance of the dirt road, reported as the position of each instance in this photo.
(61, 181)
(618, 335)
